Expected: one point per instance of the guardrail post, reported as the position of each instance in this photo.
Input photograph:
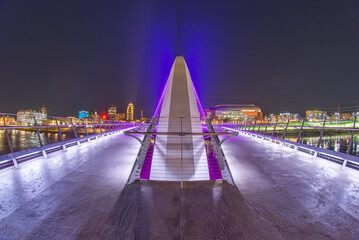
(259, 128)
(9, 143)
(93, 127)
(99, 124)
(85, 127)
(105, 127)
(59, 130)
(300, 131)
(109, 125)
(44, 153)
(321, 132)
(112, 128)
(38, 132)
(265, 129)
(254, 125)
(285, 130)
(351, 137)
(275, 126)
(245, 125)
(74, 130)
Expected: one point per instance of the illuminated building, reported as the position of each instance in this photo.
(112, 112)
(234, 112)
(315, 115)
(94, 115)
(8, 120)
(120, 116)
(29, 116)
(143, 120)
(83, 114)
(44, 110)
(283, 117)
(130, 112)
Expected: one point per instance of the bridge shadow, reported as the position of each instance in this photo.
(199, 210)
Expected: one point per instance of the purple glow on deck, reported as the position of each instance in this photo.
(213, 166)
(147, 163)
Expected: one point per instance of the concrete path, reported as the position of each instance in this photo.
(54, 198)
(81, 194)
(305, 198)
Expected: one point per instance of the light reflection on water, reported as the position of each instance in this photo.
(338, 143)
(22, 140)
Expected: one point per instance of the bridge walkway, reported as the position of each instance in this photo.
(55, 198)
(302, 196)
(81, 194)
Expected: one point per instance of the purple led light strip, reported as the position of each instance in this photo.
(213, 166)
(201, 112)
(159, 104)
(147, 163)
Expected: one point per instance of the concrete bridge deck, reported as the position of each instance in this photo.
(82, 194)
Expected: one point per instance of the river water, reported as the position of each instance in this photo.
(22, 140)
(338, 143)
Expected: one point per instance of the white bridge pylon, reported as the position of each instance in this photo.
(179, 158)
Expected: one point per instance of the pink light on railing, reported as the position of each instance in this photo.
(159, 104)
(201, 112)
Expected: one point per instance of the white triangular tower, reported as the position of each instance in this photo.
(179, 158)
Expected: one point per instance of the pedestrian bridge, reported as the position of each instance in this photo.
(78, 194)
(178, 177)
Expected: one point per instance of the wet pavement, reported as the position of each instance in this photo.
(82, 194)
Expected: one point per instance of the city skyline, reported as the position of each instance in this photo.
(237, 52)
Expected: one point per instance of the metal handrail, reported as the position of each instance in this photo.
(321, 129)
(344, 159)
(99, 128)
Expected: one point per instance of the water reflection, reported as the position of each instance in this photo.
(22, 140)
(338, 143)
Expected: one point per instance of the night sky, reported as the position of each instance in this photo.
(279, 55)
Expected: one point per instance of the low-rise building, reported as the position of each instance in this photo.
(315, 115)
(120, 116)
(8, 120)
(28, 117)
(283, 117)
(234, 112)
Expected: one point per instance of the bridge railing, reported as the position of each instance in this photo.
(174, 128)
(292, 133)
(37, 135)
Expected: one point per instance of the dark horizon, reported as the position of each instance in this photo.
(83, 55)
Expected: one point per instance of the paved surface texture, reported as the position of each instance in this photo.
(55, 198)
(304, 198)
(81, 194)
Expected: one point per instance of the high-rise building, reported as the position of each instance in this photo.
(112, 112)
(83, 114)
(143, 119)
(44, 110)
(130, 109)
